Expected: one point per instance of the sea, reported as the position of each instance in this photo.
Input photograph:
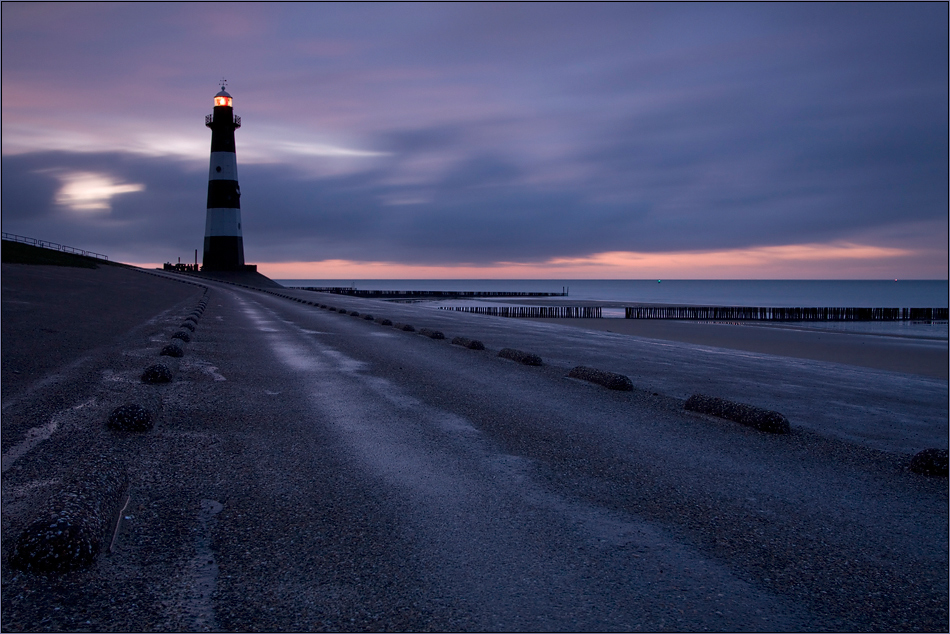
(765, 293)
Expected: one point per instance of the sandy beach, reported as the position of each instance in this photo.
(913, 356)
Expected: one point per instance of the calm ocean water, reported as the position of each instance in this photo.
(861, 293)
(849, 293)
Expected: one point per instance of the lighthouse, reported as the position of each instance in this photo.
(224, 243)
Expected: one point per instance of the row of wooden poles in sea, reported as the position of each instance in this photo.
(531, 311)
(748, 313)
(785, 314)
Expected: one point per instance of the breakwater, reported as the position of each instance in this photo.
(388, 294)
(530, 311)
(752, 313)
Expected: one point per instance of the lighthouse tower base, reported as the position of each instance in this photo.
(245, 278)
(224, 252)
(245, 268)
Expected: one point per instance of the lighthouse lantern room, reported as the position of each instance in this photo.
(224, 243)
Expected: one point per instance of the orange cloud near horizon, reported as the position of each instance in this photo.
(839, 260)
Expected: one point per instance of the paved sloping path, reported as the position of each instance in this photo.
(314, 470)
(54, 316)
(887, 410)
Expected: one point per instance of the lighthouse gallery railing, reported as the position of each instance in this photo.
(210, 117)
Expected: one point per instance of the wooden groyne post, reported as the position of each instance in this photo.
(752, 313)
(531, 312)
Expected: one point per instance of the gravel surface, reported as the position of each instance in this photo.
(309, 472)
(761, 419)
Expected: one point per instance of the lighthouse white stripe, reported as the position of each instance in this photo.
(227, 161)
(223, 222)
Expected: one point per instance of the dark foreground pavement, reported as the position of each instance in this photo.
(318, 471)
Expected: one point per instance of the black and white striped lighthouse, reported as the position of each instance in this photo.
(224, 244)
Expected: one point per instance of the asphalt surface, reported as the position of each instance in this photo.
(318, 471)
(54, 316)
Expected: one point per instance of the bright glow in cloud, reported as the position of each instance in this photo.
(181, 140)
(89, 191)
(321, 149)
(117, 137)
(317, 154)
(788, 262)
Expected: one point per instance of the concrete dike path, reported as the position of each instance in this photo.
(310, 469)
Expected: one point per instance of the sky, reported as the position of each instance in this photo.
(460, 141)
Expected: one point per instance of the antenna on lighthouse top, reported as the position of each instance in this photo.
(224, 83)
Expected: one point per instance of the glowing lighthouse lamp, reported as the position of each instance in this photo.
(224, 243)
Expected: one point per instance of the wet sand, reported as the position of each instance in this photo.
(922, 357)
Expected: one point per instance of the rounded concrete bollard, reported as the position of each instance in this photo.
(130, 418)
(368, 317)
(382, 321)
(158, 373)
(187, 324)
(761, 419)
(610, 380)
(431, 334)
(342, 310)
(930, 462)
(354, 313)
(171, 350)
(471, 344)
(525, 358)
(404, 327)
(75, 524)
(183, 335)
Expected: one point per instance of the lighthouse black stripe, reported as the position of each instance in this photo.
(222, 140)
(222, 130)
(223, 166)
(223, 253)
(223, 194)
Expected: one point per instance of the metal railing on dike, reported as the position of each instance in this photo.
(752, 313)
(53, 245)
(532, 312)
